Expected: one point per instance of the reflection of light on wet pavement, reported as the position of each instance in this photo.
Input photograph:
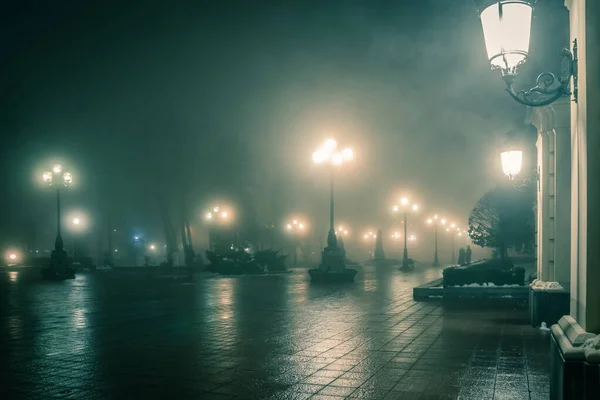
(79, 319)
(13, 275)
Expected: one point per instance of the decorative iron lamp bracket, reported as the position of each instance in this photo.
(548, 87)
(526, 184)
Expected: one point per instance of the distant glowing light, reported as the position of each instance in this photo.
(12, 256)
(224, 214)
(415, 207)
(76, 221)
(216, 209)
(47, 176)
(330, 144)
(337, 158)
(429, 221)
(404, 201)
(443, 221)
(57, 168)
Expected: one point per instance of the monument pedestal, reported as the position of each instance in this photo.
(60, 267)
(333, 267)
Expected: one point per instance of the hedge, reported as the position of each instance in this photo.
(459, 276)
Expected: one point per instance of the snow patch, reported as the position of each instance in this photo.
(593, 343)
(539, 284)
(544, 327)
(488, 284)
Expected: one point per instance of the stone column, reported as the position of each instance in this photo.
(585, 167)
(561, 113)
(543, 220)
(554, 188)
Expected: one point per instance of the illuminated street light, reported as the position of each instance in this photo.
(342, 231)
(329, 153)
(370, 236)
(218, 215)
(405, 207)
(297, 229)
(507, 31)
(436, 221)
(59, 268)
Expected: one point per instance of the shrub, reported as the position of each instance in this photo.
(271, 260)
(238, 262)
(483, 273)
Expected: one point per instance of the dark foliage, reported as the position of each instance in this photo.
(239, 262)
(492, 271)
(503, 218)
(468, 254)
(271, 260)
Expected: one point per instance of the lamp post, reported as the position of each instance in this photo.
(58, 179)
(507, 30)
(296, 228)
(403, 207)
(329, 154)
(59, 261)
(511, 159)
(436, 221)
(370, 237)
(452, 229)
(217, 216)
(333, 259)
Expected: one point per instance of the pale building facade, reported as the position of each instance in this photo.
(585, 167)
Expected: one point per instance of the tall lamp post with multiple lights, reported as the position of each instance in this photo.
(59, 261)
(296, 229)
(404, 207)
(436, 221)
(454, 231)
(333, 264)
(217, 216)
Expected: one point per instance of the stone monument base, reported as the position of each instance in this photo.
(332, 268)
(59, 268)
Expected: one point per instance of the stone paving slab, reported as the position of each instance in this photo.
(113, 336)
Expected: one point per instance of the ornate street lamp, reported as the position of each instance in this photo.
(436, 221)
(217, 215)
(329, 153)
(58, 179)
(404, 207)
(507, 30)
(511, 159)
(59, 262)
(296, 228)
(333, 260)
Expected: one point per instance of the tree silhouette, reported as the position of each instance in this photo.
(503, 218)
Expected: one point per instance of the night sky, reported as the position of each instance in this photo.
(230, 98)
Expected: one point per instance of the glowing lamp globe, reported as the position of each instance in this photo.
(57, 168)
(68, 177)
(506, 29)
(511, 162)
(47, 176)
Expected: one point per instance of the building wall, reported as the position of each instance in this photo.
(585, 167)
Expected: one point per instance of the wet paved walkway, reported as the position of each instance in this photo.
(114, 336)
